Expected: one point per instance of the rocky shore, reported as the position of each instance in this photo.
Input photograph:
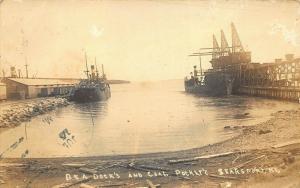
(14, 113)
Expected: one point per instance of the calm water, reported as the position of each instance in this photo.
(139, 118)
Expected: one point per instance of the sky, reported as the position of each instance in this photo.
(138, 40)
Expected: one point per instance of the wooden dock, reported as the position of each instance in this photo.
(280, 80)
(285, 93)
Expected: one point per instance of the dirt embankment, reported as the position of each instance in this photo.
(265, 155)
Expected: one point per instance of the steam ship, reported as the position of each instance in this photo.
(93, 88)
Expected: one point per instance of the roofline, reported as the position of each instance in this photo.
(52, 85)
(10, 78)
(48, 78)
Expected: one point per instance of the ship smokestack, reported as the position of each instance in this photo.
(93, 71)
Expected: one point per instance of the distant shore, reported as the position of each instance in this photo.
(118, 82)
(262, 152)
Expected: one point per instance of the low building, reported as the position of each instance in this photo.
(27, 88)
(2, 91)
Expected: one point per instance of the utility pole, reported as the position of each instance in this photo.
(19, 73)
(26, 66)
(25, 46)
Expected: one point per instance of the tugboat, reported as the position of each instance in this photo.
(227, 64)
(94, 88)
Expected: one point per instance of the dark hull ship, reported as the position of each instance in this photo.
(94, 88)
(88, 92)
(214, 84)
(221, 79)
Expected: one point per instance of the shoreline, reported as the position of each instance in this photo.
(251, 143)
(14, 113)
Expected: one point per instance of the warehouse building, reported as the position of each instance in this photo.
(2, 91)
(27, 88)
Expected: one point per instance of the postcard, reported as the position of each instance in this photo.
(149, 93)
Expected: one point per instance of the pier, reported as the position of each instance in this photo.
(279, 79)
(285, 93)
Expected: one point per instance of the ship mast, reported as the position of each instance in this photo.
(96, 68)
(200, 64)
(87, 69)
(103, 74)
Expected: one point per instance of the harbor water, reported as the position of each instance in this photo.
(144, 117)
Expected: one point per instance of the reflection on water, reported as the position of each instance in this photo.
(139, 118)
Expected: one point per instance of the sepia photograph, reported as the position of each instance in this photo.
(150, 93)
